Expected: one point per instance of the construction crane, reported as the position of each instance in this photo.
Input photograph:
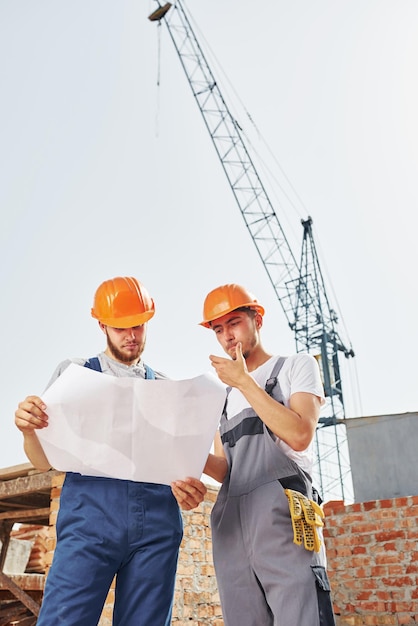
(299, 287)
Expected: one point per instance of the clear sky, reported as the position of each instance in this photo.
(104, 173)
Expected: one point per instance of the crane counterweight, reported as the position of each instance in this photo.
(159, 13)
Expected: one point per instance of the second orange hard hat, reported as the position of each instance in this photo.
(225, 299)
(122, 302)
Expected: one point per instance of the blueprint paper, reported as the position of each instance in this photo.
(144, 430)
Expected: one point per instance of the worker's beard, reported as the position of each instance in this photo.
(123, 357)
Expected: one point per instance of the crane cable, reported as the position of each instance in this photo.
(157, 111)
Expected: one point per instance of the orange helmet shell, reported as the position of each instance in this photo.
(122, 302)
(225, 299)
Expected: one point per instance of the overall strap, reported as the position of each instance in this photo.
(272, 381)
(270, 384)
(149, 373)
(93, 364)
(228, 391)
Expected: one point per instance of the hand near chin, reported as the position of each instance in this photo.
(232, 372)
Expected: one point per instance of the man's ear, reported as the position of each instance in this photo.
(258, 321)
(102, 327)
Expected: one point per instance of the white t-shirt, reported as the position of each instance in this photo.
(300, 373)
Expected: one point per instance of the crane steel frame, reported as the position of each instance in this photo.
(300, 288)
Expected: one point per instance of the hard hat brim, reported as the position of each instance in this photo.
(125, 322)
(255, 307)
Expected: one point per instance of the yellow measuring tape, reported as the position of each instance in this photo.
(307, 517)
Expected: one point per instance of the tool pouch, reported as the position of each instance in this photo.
(306, 517)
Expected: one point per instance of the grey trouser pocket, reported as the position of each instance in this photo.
(323, 590)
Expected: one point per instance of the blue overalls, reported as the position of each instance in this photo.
(264, 579)
(109, 527)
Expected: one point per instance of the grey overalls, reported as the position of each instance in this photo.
(264, 578)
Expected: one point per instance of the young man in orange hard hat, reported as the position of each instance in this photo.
(109, 527)
(266, 523)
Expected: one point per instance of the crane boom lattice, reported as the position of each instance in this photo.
(300, 288)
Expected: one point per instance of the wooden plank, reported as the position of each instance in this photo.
(24, 515)
(28, 582)
(5, 528)
(32, 501)
(14, 612)
(26, 484)
(8, 473)
(21, 595)
(27, 621)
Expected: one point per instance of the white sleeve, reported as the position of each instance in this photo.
(304, 375)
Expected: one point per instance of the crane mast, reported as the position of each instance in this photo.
(300, 288)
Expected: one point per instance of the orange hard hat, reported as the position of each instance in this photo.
(122, 302)
(225, 299)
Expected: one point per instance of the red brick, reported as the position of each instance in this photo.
(390, 535)
(385, 504)
(401, 581)
(368, 506)
(333, 506)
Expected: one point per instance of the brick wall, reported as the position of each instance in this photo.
(372, 563)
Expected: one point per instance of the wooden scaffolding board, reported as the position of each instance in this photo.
(25, 496)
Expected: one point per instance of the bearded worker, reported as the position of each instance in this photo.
(108, 527)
